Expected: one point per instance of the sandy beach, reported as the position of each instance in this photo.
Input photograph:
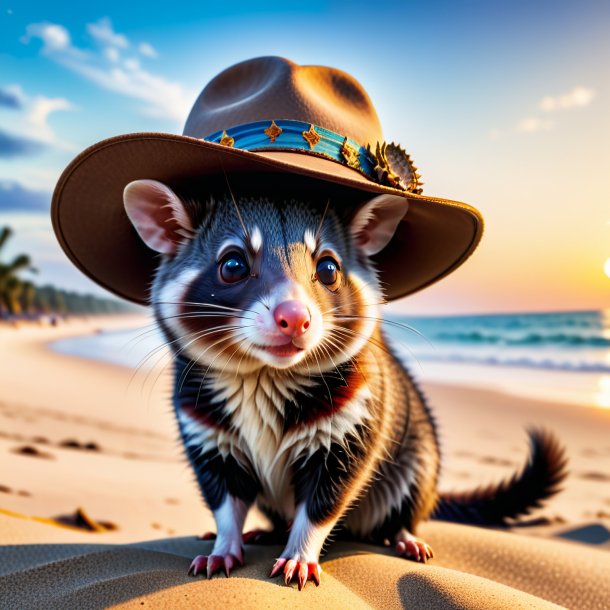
(98, 507)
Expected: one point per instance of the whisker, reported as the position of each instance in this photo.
(378, 344)
(198, 304)
(386, 321)
(192, 363)
(234, 341)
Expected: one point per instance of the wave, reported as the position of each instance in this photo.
(533, 339)
(508, 361)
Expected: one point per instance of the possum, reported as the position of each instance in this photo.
(287, 392)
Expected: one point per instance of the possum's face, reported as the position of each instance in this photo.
(263, 282)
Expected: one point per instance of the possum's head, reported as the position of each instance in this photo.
(260, 281)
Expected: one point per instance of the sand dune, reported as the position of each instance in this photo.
(473, 568)
(76, 434)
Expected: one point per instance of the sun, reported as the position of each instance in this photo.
(607, 267)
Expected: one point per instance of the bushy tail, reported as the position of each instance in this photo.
(525, 490)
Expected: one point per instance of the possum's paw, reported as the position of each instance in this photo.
(265, 537)
(294, 568)
(411, 547)
(210, 564)
(207, 536)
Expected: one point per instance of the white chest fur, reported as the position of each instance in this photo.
(256, 436)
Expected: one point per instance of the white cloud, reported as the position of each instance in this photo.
(53, 36)
(162, 98)
(39, 109)
(532, 124)
(579, 97)
(112, 54)
(147, 50)
(31, 119)
(103, 33)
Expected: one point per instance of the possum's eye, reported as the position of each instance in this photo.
(327, 271)
(233, 268)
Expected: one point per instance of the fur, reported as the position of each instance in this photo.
(335, 436)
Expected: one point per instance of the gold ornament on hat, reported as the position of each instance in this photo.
(273, 131)
(226, 140)
(394, 168)
(350, 154)
(312, 137)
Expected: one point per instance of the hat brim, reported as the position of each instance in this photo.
(435, 237)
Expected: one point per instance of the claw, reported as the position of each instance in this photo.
(413, 550)
(302, 575)
(291, 565)
(313, 572)
(198, 565)
(411, 547)
(229, 564)
(277, 566)
(299, 569)
(210, 564)
(215, 562)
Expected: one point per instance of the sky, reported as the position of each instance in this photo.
(504, 105)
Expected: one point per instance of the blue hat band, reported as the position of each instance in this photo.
(297, 136)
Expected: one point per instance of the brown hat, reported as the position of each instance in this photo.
(271, 117)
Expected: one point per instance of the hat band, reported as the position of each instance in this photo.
(297, 136)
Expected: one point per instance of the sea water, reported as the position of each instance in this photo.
(562, 356)
(559, 356)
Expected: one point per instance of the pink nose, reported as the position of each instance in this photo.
(292, 318)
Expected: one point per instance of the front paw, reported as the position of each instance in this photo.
(210, 564)
(302, 570)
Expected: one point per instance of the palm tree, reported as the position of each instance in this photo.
(10, 284)
(28, 299)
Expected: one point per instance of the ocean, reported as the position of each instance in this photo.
(561, 356)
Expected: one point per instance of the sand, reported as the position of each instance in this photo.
(78, 434)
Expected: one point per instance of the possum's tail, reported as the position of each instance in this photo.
(495, 505)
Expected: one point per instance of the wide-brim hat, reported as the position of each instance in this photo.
(271, 120)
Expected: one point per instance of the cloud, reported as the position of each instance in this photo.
(532, 124)
(54, 37)
(39, 110)
(103, 33)
(11, 97)
(579, 97)
(147, 50)
(30, 131)
(112, 54)
(18, 146)
(16, 198)
(161, 97)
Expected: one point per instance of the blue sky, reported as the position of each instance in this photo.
(502, 104)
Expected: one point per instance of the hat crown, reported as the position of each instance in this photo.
(268, 88)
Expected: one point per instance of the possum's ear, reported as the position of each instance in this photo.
(375, 222)
(157, 214)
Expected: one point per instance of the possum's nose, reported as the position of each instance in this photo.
(292, 318)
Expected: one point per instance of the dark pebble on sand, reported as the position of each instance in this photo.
(32, 451)
(70, 443)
